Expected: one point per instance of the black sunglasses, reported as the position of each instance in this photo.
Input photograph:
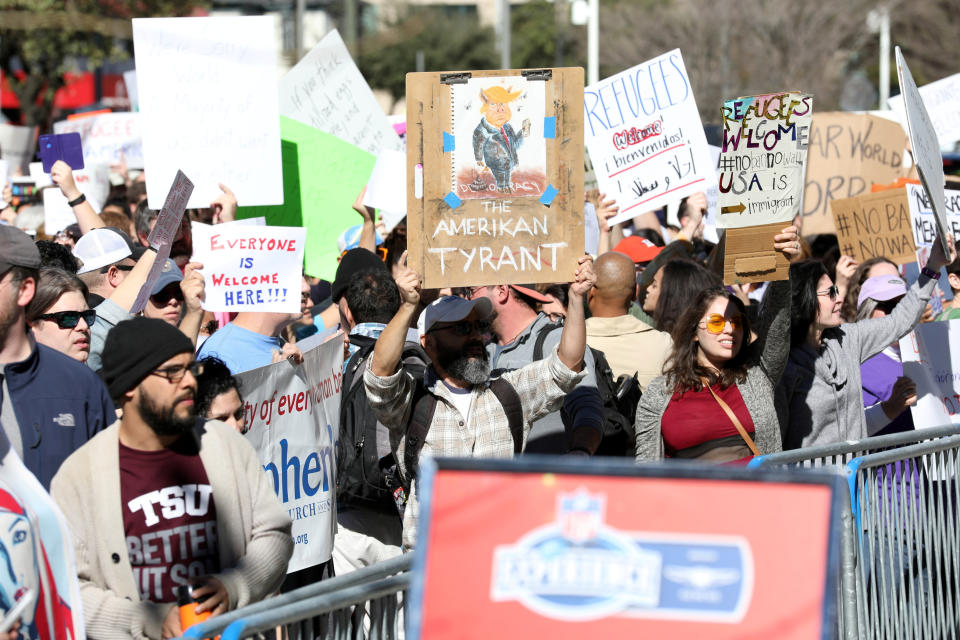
(70, 319)
(167, 294)
(464, 328)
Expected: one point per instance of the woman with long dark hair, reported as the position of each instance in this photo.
(673, 288)
(715, 401)
(819, 395)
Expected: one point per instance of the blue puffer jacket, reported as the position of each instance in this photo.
(59, 403)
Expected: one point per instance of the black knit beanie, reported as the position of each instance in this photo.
(136, 347)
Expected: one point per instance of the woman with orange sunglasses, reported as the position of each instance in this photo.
(715, 400)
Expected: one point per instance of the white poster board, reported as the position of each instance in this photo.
(105, 137)
(326, 91)
(208, 107)
(293, 417)
(942, 100)
(931, 358)
(645, 138)
(923, 142)
(250, 267)
(18, 146)
(387, 187)
(93, 182)
(130, 79)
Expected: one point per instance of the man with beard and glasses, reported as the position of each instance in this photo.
(469, 417)
(50, 404)
(164, 499)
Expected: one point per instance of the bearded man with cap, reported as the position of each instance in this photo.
(50, 403)
(164, 499)
(469, 417)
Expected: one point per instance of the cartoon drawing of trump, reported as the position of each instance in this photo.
(495, 142)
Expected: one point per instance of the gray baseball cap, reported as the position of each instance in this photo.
(17, 249)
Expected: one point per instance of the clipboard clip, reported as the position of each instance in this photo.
(537, 74)
(455, 78)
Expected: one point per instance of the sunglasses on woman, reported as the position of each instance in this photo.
(715, 323)
(833, 292)
(70, 319)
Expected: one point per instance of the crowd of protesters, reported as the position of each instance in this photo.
(101, 403)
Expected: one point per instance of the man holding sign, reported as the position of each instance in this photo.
(459, 410)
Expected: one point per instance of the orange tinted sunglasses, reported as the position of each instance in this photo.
(381, 251)
(715, 323)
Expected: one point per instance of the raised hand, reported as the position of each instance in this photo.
(584, 278)
(62, 175)
(787, 241)
(408, 281)
(224, 206)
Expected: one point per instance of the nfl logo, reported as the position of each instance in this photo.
(580, 515)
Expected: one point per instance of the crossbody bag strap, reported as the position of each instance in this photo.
(733, 418)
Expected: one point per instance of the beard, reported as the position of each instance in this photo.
(164, 421)
(469, 369)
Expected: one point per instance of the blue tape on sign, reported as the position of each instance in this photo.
(449, 142)
(550, 127)
(548, 195)
(452, 200)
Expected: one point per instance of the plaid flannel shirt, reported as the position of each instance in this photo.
(541, 386)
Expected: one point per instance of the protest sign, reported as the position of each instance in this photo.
(931, 358)
(761, 168)
(875, 225)
(130, 80)
(848, 152)
(93, 182)
(924, 146)
(387, 188)
(495, 176)
(923, 220)
(107, 137)
(164, 231)
(645, 138)
(250, 267)
(17, 146)
(293, 413)
(942, 101)
(326, 90)
(4, 171)
(208, 106)
(322, 177)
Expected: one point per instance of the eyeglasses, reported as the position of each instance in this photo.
(715, 323)
(464, 328)
(833, 292)
(475, 290)
(383, 252)
(120, 267)
(70, 319)
(176, 372)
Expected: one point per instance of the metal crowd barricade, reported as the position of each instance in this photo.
(904, 505)
(366, 603)
(837, 455)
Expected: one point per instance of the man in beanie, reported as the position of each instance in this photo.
(50, 404)
(196, 506)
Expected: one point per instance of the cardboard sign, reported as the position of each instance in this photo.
(848, 152)
(325, 90)
(551, 550)
(875, 225)
(926, 149)
(931, 357)
(322, 177)
(293, 414)
(942, 101)
(761, 168)
(645, 138)
(65, 146)
(17, 146)
(250, 267)
(208, 106)
(105, 137)
(495, 176)
(93, 182)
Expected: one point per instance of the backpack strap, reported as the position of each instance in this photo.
(510, 400)
(421, 415)
(541, 338)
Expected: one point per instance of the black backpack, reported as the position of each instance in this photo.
(620, 398)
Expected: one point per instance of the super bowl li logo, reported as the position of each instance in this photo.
(578, 568)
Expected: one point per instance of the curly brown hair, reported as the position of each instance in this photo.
(683, 369)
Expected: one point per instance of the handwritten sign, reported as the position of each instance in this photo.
(926, 149)
(93, 182)
(293, 414)
(17, 146)
(762, 158)
(923, 218)
(105, 137)
(942, 100)
(645, 138)
(875, 225)
(931, 358)
(848, 152)
(326, 90)
(251, 268)
(208, 106)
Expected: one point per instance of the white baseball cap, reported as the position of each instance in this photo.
(100, 247)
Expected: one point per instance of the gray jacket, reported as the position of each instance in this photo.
(819, 398)
(109, 315)
(767, 358)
